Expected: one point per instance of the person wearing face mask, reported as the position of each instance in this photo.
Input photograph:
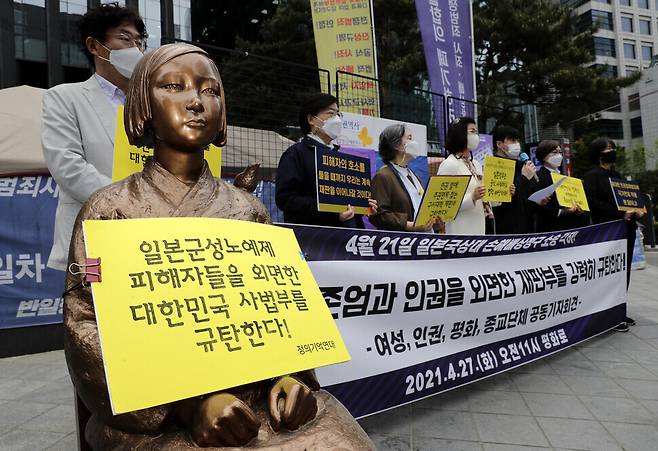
(79, 119)
(461, 139)
(296, 189)
(551, 216)
(513, 217)
(601, 200)
(396, 188)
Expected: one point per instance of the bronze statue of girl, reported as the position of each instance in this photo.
(175, 104)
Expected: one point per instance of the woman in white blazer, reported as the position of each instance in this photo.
(461, 139)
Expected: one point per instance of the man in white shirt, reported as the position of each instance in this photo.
(79, 119)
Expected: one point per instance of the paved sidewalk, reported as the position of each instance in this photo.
(601, 395)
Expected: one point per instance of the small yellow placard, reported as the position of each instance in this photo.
(498, 176)
(443, 198)
(189, 306)
(571, 192)
(130, 159)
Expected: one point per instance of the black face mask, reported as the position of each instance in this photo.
(609, 157)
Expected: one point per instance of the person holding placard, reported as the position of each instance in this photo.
(78, 120)
(513, 217)
(395, 187)
(462, 138)
(551, 216)
(601, 200)
(296, 175)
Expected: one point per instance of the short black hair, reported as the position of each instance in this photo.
(389, 139)
(99, 20)
(503, 132)
(599, 145)
(544, 148)
(457, 135)
(313, 106)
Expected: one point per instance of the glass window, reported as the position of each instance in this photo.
(71, 11)
(150, 12)
(603, 1)
(626, 2)
(643, 4)
(636, 127)
(647, 52)
(602, 19)
(30, 29)
(604, 46)
(629, 50)
(630, 70)
(627, 24)
(645, 26)
(634, 102)
(608, 70)
(183, 19)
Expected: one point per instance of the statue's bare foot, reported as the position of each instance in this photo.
(224, 420)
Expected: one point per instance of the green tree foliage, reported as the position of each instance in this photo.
(529, 52)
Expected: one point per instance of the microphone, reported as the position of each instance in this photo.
(524, 158)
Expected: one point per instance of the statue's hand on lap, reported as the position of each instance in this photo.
(291, 404)
(224, 420)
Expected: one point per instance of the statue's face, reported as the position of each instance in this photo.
(185, 104)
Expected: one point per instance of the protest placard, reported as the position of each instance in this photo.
(188, 306)
(498, 176)
(442, 198)
(628, 196)
(570, 192)
(342, 180)
(129, 159)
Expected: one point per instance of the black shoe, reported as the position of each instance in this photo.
(629, 321)
(621, 327)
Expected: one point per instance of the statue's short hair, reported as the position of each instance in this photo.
(137, 114)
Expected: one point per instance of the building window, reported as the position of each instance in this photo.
(629, 50)
(183, 19)
(626, 2)
(630, 70)
(636, 127)
(150, 12)
(600, 19)
(611, 128)
(603, 1)
(634, 102)
(30, 30)
(627, 24)
(643, 4)
(608, 70)
(645, 26)
(647, 52)
(604, 46)
(573, 3)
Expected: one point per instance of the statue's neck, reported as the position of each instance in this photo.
(185, 166)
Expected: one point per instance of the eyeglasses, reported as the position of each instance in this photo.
(130, 41)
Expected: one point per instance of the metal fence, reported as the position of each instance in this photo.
(416, 105)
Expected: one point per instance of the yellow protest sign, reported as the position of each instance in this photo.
(188, 306)
(571, 192)
(442, 198)
(345, 41)
(498, 176)
(130, 159)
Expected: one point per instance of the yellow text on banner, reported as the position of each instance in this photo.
(442, 198)
(189, 306)
(571, 192)
(344, 41)
(130, 159)
(498, 176)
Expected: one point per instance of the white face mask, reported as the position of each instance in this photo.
(472, 141)
(514, 150)
(412, 148)
(123, 60)
(333, 127)
(555, 160)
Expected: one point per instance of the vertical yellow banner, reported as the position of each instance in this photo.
(345, 41)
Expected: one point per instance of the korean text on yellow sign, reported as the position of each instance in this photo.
(628, 196)
(498, 176)
(571, 192)
(188, 306)
(130, 159)
(344, 41)
(443, 198)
